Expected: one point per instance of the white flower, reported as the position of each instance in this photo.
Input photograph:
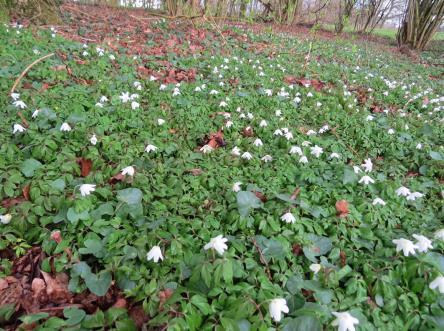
(366, 180)
(309, 94)
(402, 191)
(288, 135)
(439, 234)
(315, 267)
(134, 96)
(297, 100)
(162, 87)
(134, 105)
(335, 156)
(160, 121)
(267, 158)
(296, 150)
(235, 151)
(85, 53)
(370, 118)
(247, 156)
(423, 243)
(414, 195)
(206, 149)
(65, 127)
(237, 186)
(391, 131)
(277, 307)
(128, 171)
(288, 218)
(125, 97)
(263, 123)
(325, 128)
(86, 189)
(344, 321)
(19, 104)
(378, 201)
(218, 244)
(35, 113)
(316, 151)
(18, 128)
(356, 169)
(228, 124)
(150, 148)
(103, 99)
(152, 78)
(419, 146)
(214, 92)
(250, 116)
(438, 283)
(223, 104)
(154, 254)
(303, 159)
(99, 105)
(311, 133)
(93, 140)
(112, 57)
(258, 143)
(278, 113)
(367, 165)
(137, 85)
(5, 219)
(306, 143)
(268, 92)
(15, 96)
(278, 132)
(176, 91)
(405, 245)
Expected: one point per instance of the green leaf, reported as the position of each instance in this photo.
(319, 246)
(303, 323)
(6, 312)
(73, 216)
(436, 156)
(29, 166)
(58, 184)
(201, 303)
(29, 319)
(98, 284)
(247, 200)
(271, 248)
(130, 196)
(74, 315)
(349, 176)
(94, 321)
(92, 246)
(227, 271)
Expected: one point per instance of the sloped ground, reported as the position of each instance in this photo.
(319, 161)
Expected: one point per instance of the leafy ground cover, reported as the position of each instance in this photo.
(218, 179)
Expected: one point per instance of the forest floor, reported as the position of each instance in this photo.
(199, 175)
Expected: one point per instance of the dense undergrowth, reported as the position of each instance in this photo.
(309, 156)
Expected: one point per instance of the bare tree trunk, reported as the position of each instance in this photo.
(422, 19)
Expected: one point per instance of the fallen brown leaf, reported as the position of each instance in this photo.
(85, 166)
(342, 208)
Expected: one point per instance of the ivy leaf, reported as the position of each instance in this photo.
(436, 156)
(29, 166)
(130, 196)
(92, 246)
(247, 200)
(74, 315)
(98, 284)
(303, 323)
(319, 246)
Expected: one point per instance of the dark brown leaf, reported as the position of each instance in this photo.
(85, 166)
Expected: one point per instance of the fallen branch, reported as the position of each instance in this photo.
(24, 121)
(17, 81)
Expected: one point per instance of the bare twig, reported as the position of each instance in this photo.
(262, 258)
(24, 121)
(17, 81)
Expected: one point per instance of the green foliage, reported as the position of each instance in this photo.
(168, 203)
